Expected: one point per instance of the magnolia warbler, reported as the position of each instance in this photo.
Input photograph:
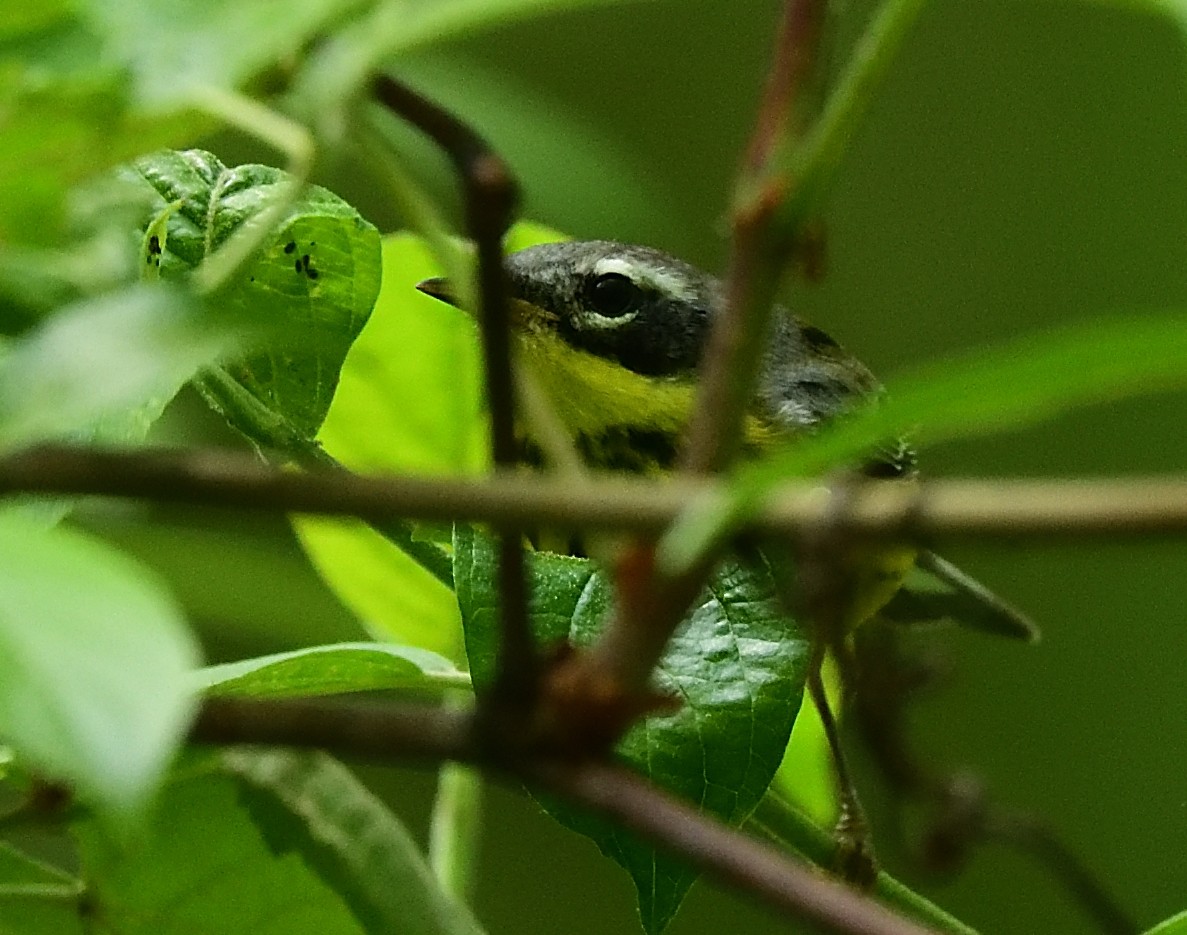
(616, 332)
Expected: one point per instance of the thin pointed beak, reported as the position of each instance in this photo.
(438, 288)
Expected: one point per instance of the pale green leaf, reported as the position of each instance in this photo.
(94, 659)
(310, 805)
(408, 401)
(205, 866)
(105, 367)
(334, 669)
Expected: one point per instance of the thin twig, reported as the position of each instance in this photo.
(986, 509)
(734, 351)
(370, 730)
(620, 662)
(491, 195)
(1033, 835)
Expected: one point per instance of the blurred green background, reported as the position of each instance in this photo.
(1025, 165)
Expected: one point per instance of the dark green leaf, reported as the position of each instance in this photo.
(93, 663)
(36, 898)
(1008, 387)
(326, 670)
(737, 665)
(309, 804)
(312, 286)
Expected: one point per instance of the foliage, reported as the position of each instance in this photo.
(119, 286)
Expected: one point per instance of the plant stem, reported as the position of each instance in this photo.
(455, 829)
(787, 825)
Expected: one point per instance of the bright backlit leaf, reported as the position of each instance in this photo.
(94, 662)
(328, 670)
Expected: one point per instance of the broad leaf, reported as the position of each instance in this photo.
(35, 897)
(1003, 388)
(327, 670)
(205, 866)
(311, 805)
(174, 48)
(93, 663)
(312, 286)
(408, 401)
(104, 368)
(737, 665)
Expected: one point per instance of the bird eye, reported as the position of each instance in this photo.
(613, 295)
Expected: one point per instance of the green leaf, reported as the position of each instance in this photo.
(1008, 387)
(104, 368)
(1175, 925)
(66, 114)
(737, 665)
(341, 67)
(418, 410)
(36, 898)
(173, 48)
(327, 670)
(806, 777)
(312, 286)
(309, 804)
(93, 663)
(205, 866)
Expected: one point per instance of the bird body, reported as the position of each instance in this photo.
(616, 332)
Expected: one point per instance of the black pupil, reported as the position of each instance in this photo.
(613, 295)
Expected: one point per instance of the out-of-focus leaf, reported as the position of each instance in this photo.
(408, 401)
(1175, 925)
(339, 69)
(172, 47)
(327, 670)
(65, 114)
(103, 362)
(312, 286)
(36, 898)
(1008, 387)
(310, 805)
(204, 865)
(94, 658)
(737, 665)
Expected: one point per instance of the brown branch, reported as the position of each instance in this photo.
(619, 664)
(384, 732)
(491, 196)
(733, 354)
(988, 509)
